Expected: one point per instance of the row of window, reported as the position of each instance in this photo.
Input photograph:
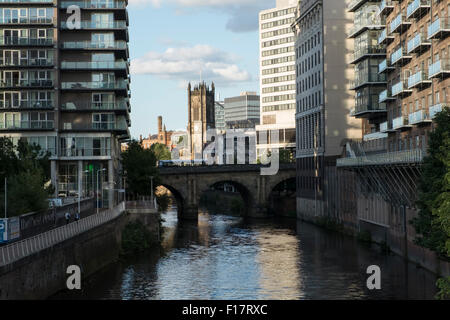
(283, 97)
(279, 107)
(308, 45)
(309, 63)
(273, 52)
(309, 82)
(279, 79)
(309, 132)
(279, 88)
(278, 42)
(278, 70)
(274, 33)
(278, 60)
(278, 13)
(309, 102)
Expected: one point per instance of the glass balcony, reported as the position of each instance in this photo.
(400, 123)
(95, 4)
(440, 68)
(385, 37)
(93, 106)
(16, 41)
(97, 65)
(417, 117)
(116, 45)
(26, 63)
(27, 104)
(384, 66)
(400, 89)
(418, 44)
(363, 79)
(436, 109)
(365, 24)
(117, 85)
(386, 7)
(399, 24)
(400, 57)
(98, 25)
(26, 20)
(26, 83)
(375, 136)
(386, 127)
(118, 125)
(416, 8)
(355, 4)
(368, 107)
(385, 95)
(28, 125)
(368, 51)
(439, 28)
(419, 79)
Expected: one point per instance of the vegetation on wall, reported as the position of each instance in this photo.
(27, 169)
(135, 239)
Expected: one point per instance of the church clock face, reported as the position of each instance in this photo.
(196, 127)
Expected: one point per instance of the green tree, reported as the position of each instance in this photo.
(432, 223)
(139, 165)
(27, 169)
(161, 151)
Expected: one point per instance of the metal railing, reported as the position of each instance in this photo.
(95, 4)
(21, 249)
(397, 157)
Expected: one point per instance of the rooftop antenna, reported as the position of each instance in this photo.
(200, 75)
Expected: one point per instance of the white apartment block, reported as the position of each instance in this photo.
(277, 75)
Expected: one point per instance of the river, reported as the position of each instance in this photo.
(225, 257)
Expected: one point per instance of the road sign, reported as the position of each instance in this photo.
(9, 229)
(3, 233)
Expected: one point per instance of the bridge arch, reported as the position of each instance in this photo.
(179, 198)
(281, 199)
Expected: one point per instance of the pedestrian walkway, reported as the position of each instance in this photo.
(21, 249)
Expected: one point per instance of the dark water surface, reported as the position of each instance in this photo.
(224, 257)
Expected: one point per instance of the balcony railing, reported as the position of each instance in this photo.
(400, 56)
(85, 152)
(369, 108)
(433, 110)
(26, 1)
(385, 95)
(439, 27)
(26, 20)
(94, 45)
(418, 79)
(439, 68)
(26, 83)
(94, 65)
(400, 88)
(27, 63)
(368, 51)
(354, 4)
(398, 157)
(97, 25)
(365, 23)
(417, 8)
(386, 6)
(92, 106)
(28, 104)
(97, 126)
(95, 4)
(418, 42)
(418, 117)
(374, 136)
(16, 41)
(399, 23)
(367, 78)
(384, 127)
(95, 85)
(400, 122)
(384, 66)
(27, 125)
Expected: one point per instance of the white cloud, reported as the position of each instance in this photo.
(190, 63)
(243, 14)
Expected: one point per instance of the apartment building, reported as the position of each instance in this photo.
(67, 89)
(277, 76)
(324, 76)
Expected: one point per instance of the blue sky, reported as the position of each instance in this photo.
(172, 40)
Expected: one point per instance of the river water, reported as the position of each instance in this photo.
(225, 257)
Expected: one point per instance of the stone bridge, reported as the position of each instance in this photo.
(188, 183)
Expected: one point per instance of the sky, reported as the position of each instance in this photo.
(173, 42)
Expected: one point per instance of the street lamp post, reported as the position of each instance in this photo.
(79, 191)
(96, 194)
(151, 189)
(6, 197)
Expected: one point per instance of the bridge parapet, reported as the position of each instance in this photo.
(220, 168)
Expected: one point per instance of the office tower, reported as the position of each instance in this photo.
(277, 76)
(219, 113)
(242, 112)
(323, 98)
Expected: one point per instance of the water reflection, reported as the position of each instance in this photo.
(223, 257)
